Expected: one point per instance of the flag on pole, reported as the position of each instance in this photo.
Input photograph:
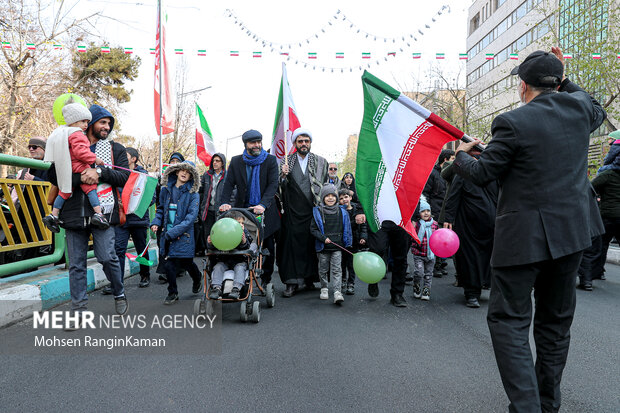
(105, 49)
(81, 49)
(31, 46)
(205, 148)
(286, 120)
(489, 56)
(138, 193)
(166, 111)
(440, 56)
(462, 56)
(416, 55)
(514, 56)
(399, 143)
(202, 52)
(143, 258)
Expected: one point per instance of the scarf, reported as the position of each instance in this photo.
(254, 184)
(57, 151)
(103, 150)
(426, 231)
(315, 184)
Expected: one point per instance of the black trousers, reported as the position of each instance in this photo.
(612, 229)
(121, 238)
(348, 273)
(172, 267)
(530, 386)
(392, 236)
(269, 260)
(590, 266)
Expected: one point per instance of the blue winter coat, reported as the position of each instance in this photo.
(178, 242)
(347, 236)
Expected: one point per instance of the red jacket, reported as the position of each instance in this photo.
(79, 149)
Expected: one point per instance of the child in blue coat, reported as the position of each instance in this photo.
(177, 210)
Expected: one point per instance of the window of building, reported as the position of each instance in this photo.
(474, 23)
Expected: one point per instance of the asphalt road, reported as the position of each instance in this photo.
(308, 355)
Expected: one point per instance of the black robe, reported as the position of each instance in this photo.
(471, 209)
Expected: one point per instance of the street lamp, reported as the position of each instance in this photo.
(228, 140)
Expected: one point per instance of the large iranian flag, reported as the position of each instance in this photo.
(398, 145)
(163, 96)
(286, 120)
(205, 148)
(138, 193)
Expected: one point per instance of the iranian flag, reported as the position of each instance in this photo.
(399, 143)
(205, 148)
(462, 56)
(164, 111)
(138, 193)
(286, 120)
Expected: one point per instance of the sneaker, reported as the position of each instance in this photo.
(144, 282)
(417, 293)
(398, 301)
(373, 290)
(585, 287)
(120, 305)
(324, 294)
(215, 293)
(350, 290)
(99, 221)
(196, 284)
(171, 298)
(472, 303)
(52, 223)
(234, 294)
(338, 298)
(426, 294)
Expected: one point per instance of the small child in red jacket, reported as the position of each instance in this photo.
(77, 117)
(423, 257)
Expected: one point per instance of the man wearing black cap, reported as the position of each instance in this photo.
(255, 175)
(545, 211)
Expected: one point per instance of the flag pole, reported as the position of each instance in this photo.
(161, 148)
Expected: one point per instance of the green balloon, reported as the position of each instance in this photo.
(61, 101)
(369, 267)
(226, 234)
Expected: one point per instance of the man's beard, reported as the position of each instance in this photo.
(255, 151)
(99, 136)
(303, 150)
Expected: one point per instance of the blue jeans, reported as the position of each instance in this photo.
(138, 235)
(77, 248)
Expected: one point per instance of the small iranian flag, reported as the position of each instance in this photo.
(489, 56)
(234, 52)
(391, 53)
(81, 49)
(138, 193)
(416, 55)
(128, 50)
(514, 56)
(178, 51)
(57, 46)
(365, 55)
(440, 56)
(105, 50)
(339, 55)
(399, 143)
(568, 55)
(462, 56)
(257, 54)
(202, 52)
(205, 148)
(152, 50)
(311, 55)
(30, 46)
(143, 258)
(6, 45)
(596, 56)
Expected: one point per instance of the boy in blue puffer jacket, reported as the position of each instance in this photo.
(330, 224)
(177, 210)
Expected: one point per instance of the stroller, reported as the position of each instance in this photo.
(249, 309)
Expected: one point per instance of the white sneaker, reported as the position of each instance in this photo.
(324, 294)
(338, 298)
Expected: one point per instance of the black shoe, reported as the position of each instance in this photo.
(120, 305)
(585, 287)
(107, 290)
(52, 223)
(373, 290)
(603, 277)
(234, 294)
(171, 298)
(350, 290)
(196, 286)
(472, 303)
(162, 278)
(398, 301)
(99, 221)
(408, 278)
(75, 326)
(290, 290)
(215, 293)
(309, 286)
(144, 282)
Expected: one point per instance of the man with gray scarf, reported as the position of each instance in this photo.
(302, 176)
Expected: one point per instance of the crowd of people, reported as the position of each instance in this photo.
(525, 221)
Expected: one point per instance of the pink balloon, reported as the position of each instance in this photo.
(444, 242)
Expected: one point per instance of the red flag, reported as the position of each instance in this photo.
(161, 69)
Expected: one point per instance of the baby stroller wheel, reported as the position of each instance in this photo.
(209, 310)
(243, 315)
(255, 316)
(271, 296)
(199, 307)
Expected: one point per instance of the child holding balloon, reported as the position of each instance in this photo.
(423, 257)
(331, 227)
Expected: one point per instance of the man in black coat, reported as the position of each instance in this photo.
(546, 215)
(255, 176)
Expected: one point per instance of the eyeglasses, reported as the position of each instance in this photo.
(333, 169)
(33, 147)
(303, 140)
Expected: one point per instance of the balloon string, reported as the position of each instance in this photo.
(342, 248)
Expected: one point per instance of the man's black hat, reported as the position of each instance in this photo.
(539, 65)
(251, 135)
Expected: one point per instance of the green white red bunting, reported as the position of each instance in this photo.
(205, 148)
(365, 55)
(286, 120)
(416, 55)
(312, 55)
(128, 50)
(568, 55)
(514, 56)
(138, 193)
(202, 52)
(234, 53)
(462, 56)
(489, 56)
(339, 55)
(391, 53)
(440, 56)
(178, 51)
(6, 45)
(81, 49)
(30, 46)
(596, 55)
(399, 143)
(105, 50)
(257, 54)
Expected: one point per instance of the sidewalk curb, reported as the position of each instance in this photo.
(46, 288)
